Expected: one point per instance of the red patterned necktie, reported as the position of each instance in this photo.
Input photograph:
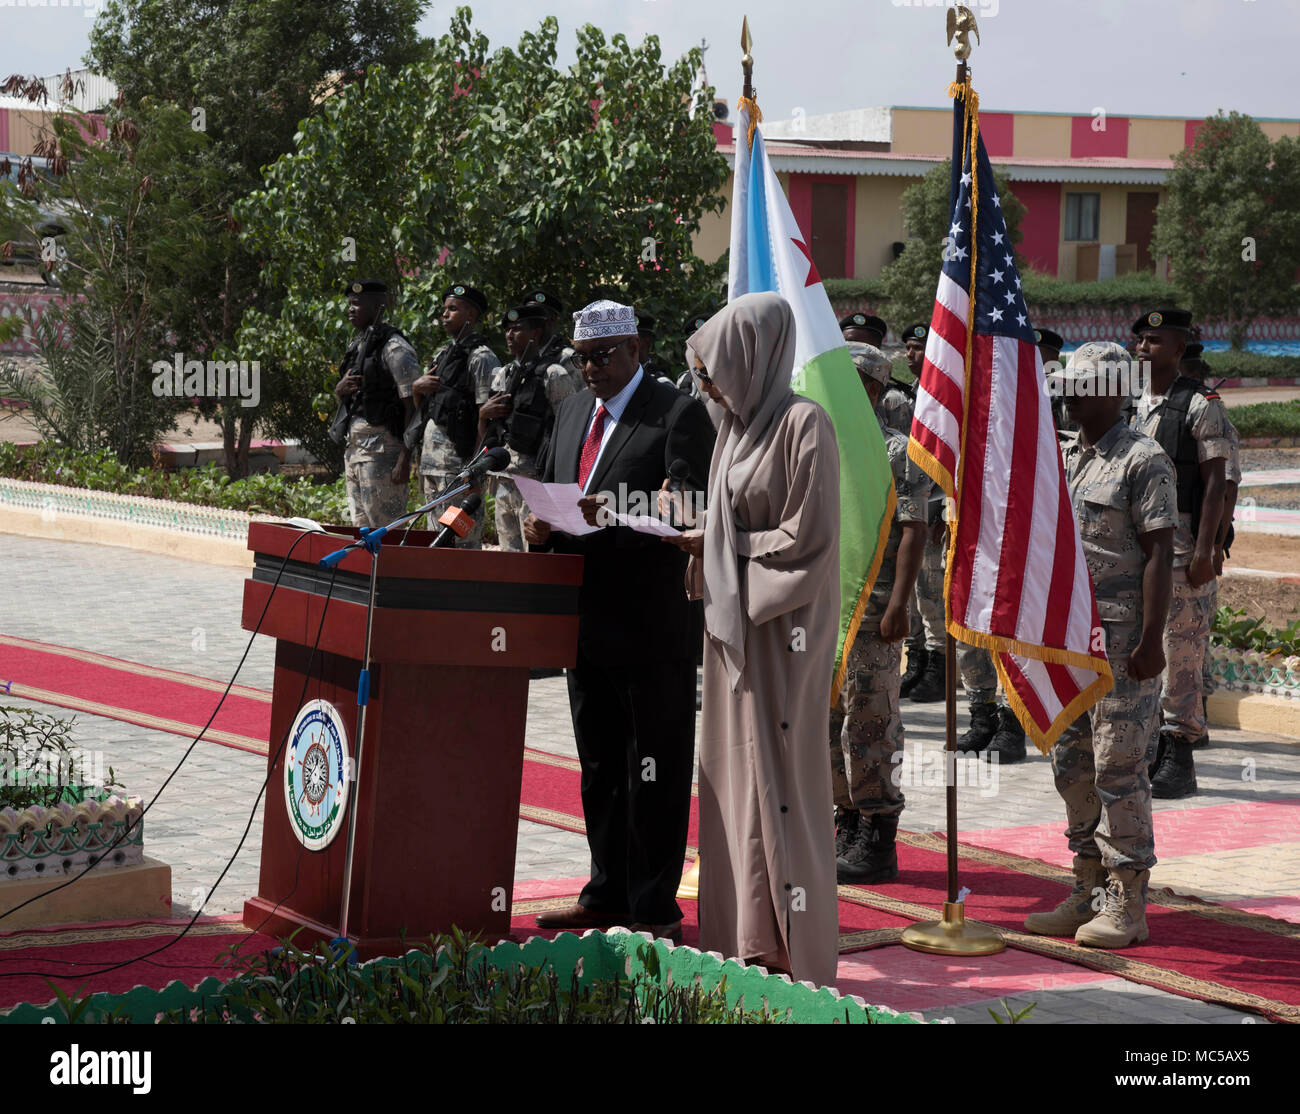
(591, 446)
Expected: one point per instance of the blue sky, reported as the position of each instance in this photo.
(1140, 57)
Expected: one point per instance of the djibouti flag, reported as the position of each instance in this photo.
(769, 253)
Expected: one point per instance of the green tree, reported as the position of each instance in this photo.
(1230, 223)
(910, 280)
(138, 226)
(247, 73)
(500, 169)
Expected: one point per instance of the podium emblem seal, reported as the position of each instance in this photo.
(316, 766)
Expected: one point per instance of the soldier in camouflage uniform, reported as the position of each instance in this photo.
(521, 414)
(1193, 364)
(1124, 495)
(457, 383)
(375, 398)
(923, 680)
(1190, 424)
(866, 729)
(899, 398)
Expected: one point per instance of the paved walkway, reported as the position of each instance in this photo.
(185, 616)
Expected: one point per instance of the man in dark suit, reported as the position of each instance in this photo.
(632, 691)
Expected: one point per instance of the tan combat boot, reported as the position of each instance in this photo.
(1076, 909)
(1123, 917)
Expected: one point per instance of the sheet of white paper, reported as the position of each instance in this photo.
(555, 504)
(644, 524)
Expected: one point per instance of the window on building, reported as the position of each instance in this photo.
(1082, 216)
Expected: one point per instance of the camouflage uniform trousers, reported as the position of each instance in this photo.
(866, 730)
(433, 482)
(1208, 683)
(1187, 631)
(1100, 765)
(510, 511)
(373, 498)
(978, 676)
(929, 593)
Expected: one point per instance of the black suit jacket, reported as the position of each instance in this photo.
(633, 605)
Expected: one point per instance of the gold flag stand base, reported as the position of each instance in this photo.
(952, 935)
(689, 890)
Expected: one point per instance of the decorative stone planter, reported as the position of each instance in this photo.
(42, 848)
(595, 955)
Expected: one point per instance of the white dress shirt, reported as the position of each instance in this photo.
(613, 412)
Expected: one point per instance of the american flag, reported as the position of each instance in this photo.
(1017, 581)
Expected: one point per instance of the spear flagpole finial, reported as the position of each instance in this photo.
(747, 59)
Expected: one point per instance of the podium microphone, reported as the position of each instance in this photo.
(456, 522)
(491, 459)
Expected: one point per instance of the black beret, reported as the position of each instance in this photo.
(696, 321)
(863, 321)
(1179, 319)
(1193, 351)
(533, 316)
(466, 293)
(548, 302)
(919, 331)
(1049, 338)
(645, 323)
(366, 286)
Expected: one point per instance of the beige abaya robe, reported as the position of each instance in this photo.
(767, 859)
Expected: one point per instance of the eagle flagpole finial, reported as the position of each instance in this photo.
(961, 22)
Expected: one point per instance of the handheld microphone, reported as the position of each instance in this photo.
(678, 473)
(490, 459)
(456, 522)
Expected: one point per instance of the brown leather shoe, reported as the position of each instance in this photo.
(579, 916)
(671, 932)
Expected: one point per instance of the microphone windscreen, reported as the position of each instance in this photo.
(679, 470)
(498, 458)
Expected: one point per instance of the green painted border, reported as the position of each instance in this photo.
(602, 955)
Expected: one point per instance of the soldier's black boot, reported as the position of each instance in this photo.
(983, 726)
(1204, 740)
(1009, 742)
(929, 686)
(915, 666)
(1162, 747)
(1176, 777)
(846, 829)
(874, 857)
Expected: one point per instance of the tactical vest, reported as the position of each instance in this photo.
(1174, 434)
(454, 407)
(377, 400)
(531, 417)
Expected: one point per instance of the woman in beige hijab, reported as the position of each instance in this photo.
(767, 563)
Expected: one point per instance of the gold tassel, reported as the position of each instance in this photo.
(755, 116)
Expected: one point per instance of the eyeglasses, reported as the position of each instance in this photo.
(702, 377)
(601, 357)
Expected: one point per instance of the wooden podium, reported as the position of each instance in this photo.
(455, 632)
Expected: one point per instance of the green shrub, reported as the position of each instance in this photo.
(456, 987)
(38, 763)
(208, 486)
(1140, 288)
(845, 290)
(1234, 629)
(1267, 419)
(1251, 365)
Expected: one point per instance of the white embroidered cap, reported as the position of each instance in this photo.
(604, 319)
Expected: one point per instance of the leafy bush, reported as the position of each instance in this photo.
(1251, 365)
(208, 486)
(1234, 629)
(450, 982)
(1140, 288)
(855, 289)
(38, 765)
(1267, 419)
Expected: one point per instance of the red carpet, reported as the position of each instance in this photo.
(161, 699)
(1200, 950)
(63, 955)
